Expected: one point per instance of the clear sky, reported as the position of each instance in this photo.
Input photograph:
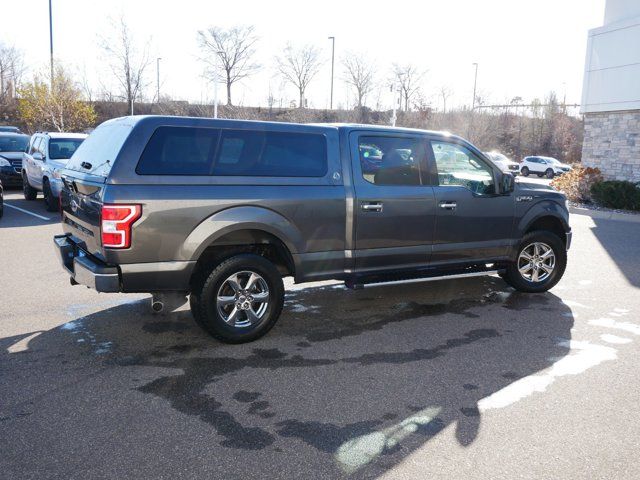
(523, 47)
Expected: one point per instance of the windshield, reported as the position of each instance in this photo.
(63, 148)
(13, 143)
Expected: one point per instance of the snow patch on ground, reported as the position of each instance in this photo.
(583, 356)
(609, 338)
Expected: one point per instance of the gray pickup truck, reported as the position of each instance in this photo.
(223, 210)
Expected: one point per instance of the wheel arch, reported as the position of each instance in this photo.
(244, 230)
(549, 216)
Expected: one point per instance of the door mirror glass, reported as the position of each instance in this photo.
(507, 182)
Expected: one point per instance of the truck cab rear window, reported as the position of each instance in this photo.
(227, 152)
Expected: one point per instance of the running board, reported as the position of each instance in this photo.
(359, 286)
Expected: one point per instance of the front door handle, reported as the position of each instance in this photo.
(371, 206)
(448, 205)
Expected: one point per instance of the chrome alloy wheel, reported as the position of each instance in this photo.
(243, 299)
(536, 262)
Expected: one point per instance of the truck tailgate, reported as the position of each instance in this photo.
(81, 203)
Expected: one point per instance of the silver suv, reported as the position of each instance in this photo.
(47, 154)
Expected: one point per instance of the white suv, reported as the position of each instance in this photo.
(47, 154)
(543, 166)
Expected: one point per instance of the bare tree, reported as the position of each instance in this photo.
(408, 78)
(298, 66)
(11, 70)
(229, 53)
(127, 62)
(445, 93)
(359, 73)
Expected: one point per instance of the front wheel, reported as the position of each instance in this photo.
(240, 300)
(28, 191)
(49, 200)
(540, 262)
(525, 171)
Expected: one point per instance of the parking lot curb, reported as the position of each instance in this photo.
(605, 214)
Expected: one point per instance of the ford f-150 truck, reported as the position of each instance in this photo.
(223, 210)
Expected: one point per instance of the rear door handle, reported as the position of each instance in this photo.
(448, 205)
(371, 206)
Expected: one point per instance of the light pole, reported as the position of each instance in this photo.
(333, 51)
(215, 89)
(158, 76)
(51, 41)
(396, 101)
(475, 82)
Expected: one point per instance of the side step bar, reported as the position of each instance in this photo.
(361, 285)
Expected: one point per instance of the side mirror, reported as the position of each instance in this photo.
(38, 156)
(507, 183)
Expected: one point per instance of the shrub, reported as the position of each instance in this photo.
(577, 183)
(617, 194)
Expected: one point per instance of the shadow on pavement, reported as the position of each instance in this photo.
(618, 239)
(17, 218)
(346, 383)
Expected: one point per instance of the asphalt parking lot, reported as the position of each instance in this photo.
(452, 379)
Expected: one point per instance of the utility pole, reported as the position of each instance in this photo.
(158, 76)
(51, 41)
(333, 51)
(396, 101)
(215, 98)
(475, 83)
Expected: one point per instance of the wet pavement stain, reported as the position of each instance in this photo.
(184, 392)
(257, 407)
(470, 411)
(246, 397)
(424, 353)
(410, 310)
(166, 326)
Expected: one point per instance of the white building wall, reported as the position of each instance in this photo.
(612, 67)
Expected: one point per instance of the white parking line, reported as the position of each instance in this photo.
(26, 211)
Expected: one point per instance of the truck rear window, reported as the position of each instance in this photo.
(228, 152)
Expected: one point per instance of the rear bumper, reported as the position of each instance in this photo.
(85, 270)
(172, 276)
(9, 177)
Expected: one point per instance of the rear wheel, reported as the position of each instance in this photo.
(29, 192)
(240, 300)
(549, 173)
(525, 171)
(540, 262)
(49, 200)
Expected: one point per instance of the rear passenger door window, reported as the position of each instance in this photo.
(391, 160)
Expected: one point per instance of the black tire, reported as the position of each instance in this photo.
(49, 200)
(525, 171)
(205, 309)
(29, 192)
(549, 173)
(512, 275)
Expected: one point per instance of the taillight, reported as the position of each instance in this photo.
(116, 224)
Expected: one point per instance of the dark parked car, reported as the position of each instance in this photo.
(9, 129)
(224, 209)
(12, 146)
